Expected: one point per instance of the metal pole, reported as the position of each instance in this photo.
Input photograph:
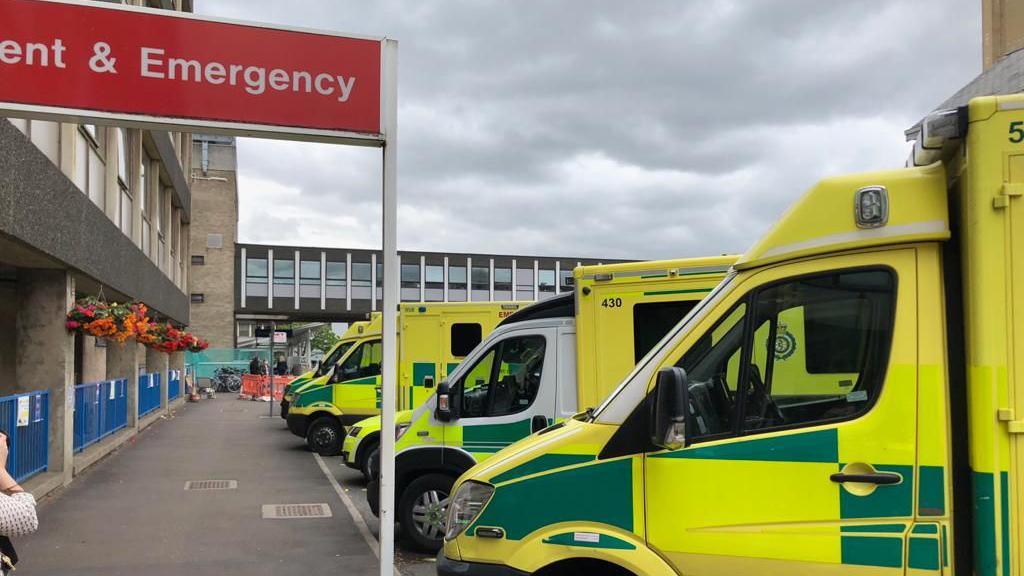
(389, 319)
(270, 365)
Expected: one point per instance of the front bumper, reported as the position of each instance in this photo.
(298, 424)
(447, 567)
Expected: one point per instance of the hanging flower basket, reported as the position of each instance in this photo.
(120, 322)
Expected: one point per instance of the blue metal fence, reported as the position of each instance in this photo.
(173, 384)
(101, 408)
(26, 419)
(149, 393)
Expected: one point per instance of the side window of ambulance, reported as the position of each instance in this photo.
(363, 362)
(712, 366)
(519, 375)
(465, 336)
(819, 348)
(475, 385)
(505, 380)
(652, 320)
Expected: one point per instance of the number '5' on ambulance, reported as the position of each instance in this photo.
(887, 440)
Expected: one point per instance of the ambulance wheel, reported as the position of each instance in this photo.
(371, 460)
(423, 510)
(325, 436)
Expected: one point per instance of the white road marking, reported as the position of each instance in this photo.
(357, 517)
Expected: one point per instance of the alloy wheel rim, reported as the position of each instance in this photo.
(429, 513)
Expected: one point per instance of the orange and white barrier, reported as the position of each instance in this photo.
(257, 387)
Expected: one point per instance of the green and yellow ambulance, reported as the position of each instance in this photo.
(847, 402)
(336, 353)
(432, 339)
(544, 363)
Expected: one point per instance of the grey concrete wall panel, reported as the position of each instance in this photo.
(41, 209)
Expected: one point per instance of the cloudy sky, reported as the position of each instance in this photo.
(598, 128)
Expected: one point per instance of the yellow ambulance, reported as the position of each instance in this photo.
(432, 339)
(336, 353)
(885, 438)
(543, 364)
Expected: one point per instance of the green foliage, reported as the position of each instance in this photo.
(323, 339)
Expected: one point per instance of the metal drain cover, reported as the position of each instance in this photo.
(211, 485)
(289, 511)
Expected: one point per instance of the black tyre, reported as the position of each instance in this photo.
(325, 436)
(423, 510)
(371, 459)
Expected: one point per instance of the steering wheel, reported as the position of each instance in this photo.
(768, 405)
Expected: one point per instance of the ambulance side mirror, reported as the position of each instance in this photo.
(443, 411)
(668, 409)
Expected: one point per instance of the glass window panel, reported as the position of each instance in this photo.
(256, 268)
(434, 274)
(361, 274)
(481, 278)
(122, 155)
(309, 273)
(284, 272)
(126, 213)
(546, 280)
(410, 275)
(457, 276)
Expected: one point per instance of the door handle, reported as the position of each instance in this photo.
(882, 478)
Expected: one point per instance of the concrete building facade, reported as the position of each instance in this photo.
(214, 233)
(87, 210)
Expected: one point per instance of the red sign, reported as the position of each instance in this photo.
(149, 63)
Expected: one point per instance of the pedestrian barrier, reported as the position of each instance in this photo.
(257, 386)
(101, 408)
(25, 418)
(149, 393)
(173, 384)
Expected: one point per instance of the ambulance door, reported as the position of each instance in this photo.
(788, 468)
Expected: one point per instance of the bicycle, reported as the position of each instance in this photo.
(227, 379)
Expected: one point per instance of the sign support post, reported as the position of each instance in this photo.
(389, 319)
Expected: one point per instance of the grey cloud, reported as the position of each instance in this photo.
(611, 129)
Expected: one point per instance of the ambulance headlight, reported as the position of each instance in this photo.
(467, 504)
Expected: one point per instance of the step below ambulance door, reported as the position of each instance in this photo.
(800, 454)
(508, 390)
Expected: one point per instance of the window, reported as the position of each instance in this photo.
(361, 280)
(457, 277)
(503, 279)
(816, 352)
(652, 320)
(481, 278)
(524, 283)
(546, 280)
(434, 277)
(410, 275)
(284, 278)
(334, 277)
(363, 363)
(122, 157)
(198, 260)
(332, 358)
(410, 282)
(198, 298)
(256, 277)
(465, 337)
(126, 213)
(309, 278)
(505, 380)
(309, 272)
(284, 271)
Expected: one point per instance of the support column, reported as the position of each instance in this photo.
(45, 357)
(158, 362)
(123, 362)
(94, 359)
(176, 361)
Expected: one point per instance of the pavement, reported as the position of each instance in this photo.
(129, 514)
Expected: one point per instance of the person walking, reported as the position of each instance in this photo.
(17, 511)
(255, 365)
